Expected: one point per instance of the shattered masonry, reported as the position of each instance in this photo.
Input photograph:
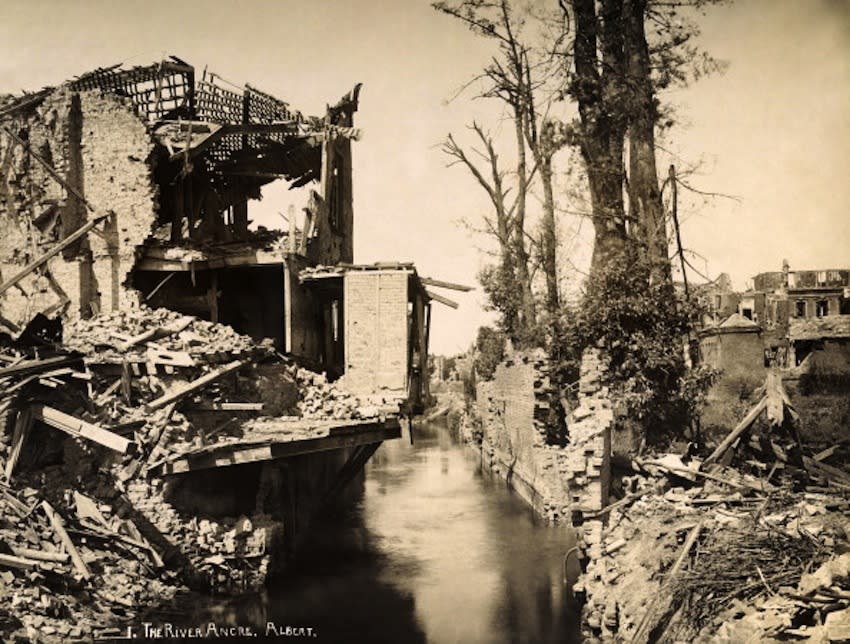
(182, 392)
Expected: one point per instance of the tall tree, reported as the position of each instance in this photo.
(510, 78)
(598, 88)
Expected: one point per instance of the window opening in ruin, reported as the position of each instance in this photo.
(821, 278)
(747, 313)
(821, 308)
(799, 309)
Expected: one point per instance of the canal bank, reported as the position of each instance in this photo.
(434, 549)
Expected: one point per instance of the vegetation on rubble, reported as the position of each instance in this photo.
(489, 351)
(642, 329)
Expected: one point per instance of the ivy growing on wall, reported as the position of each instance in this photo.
(643, 327)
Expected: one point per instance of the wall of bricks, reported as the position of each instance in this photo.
(588, 464)
(376, 331)
(515, 412)
(100, 147)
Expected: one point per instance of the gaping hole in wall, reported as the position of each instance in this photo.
(250, 298)
(217, 492)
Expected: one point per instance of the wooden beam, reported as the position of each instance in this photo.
(736, 433)
(439, 283)
(237, 454)
(23, 423)
(49, 168)
(11, 561)
(441, 299)
(78, 427)
(193, 386)
(227, 406)
(59, 528)
(42, 259)
(40, 555)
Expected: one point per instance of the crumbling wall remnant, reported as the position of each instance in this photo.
(588, 468)
(101, 149)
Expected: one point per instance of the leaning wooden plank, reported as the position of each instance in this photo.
(441, 299)
(40, 555)
(59, 529)
(439, 283)
(195, 385)
(29, 367)
(644, 627)
(22, 429)
(48, 167)
(58, 248)
(11, 561)
(78, 427)
(736, 433)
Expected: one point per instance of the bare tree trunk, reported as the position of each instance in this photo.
(645, 203)
(549, 237)
(603, 123)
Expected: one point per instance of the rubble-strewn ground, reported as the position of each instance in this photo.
(115, 544)
(730, 553)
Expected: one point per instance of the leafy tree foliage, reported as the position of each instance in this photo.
(642, 329)
(489, 351)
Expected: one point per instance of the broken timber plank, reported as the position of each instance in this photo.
(11, 561)
(23, 423)
(441, 299)
(736, 433)
(201, 382)
(78, 427)
(59, 528)
(40, 555)
(58, 248)
(227, 406)
(439, 283)
(158, 332)
(29, 367)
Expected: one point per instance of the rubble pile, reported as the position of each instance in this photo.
(88, 536)
(721, 548)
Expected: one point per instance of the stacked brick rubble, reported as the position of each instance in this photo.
(588, 466)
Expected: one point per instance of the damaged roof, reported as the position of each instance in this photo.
(240, 133)
(830, 326)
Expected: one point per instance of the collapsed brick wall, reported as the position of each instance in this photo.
(101, 148)
(588, 467)
(516, 414)
(514, 409)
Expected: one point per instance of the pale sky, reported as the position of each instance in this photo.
(773, 130)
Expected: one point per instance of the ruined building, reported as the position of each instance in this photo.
(156, 169)
(173, 377)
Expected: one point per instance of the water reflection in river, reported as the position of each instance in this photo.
(433, 551)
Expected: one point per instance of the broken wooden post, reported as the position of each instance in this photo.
(736, 433)
(58, 248)
(193, 386)
(23, 423)
(80, 428)
(59, 527)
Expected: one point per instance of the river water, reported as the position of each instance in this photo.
(433, 551)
